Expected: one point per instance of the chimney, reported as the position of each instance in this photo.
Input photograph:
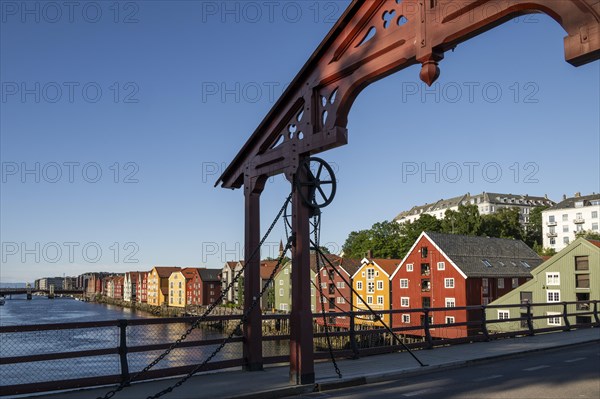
(564, 197)
(369, 254)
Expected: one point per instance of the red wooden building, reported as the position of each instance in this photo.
(337, 292)
(142, 287)
(449, 270)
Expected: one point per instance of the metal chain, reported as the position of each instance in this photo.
(325, 325)
(233, 331)
(376, 316)
(206, 313)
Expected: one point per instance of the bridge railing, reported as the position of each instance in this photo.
(46, 357)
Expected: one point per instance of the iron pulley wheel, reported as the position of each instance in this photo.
(316, 175)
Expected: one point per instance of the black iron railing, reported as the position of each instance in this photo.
(46, 357)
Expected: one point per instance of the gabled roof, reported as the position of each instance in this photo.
(478, 256)
(209, 275)
(350, 266)
(165, 271)
(266, 268)
(570, 202)
(387, 265)
(594, 242)
(190, 272)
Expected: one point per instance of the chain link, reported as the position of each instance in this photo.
(233, 331)
(206, 313)
(325, 325)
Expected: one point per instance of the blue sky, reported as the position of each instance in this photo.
(133, 102)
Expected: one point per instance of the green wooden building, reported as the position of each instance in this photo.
(571, 275)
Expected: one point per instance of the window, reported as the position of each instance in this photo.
(565, 228)
(370, 299)
(403, 283)
(448, 283)
(582, 281)
(553, 296)
(283, 306)
(341, 284)
(404, 302)
(503, 314)
(340, 300)
(594, 226)
(551, 219)
(566, 240)
(581, 263)
(380, 299)
(280, 282)
(565, 217)
(450, 320)
(552, 241)
(281, 292)
(525, 264)
(359, 285)
(424, 252)
(579, 227)
(594, 214)
(450, 302)
(515, 282)
(554, 319)
(553, 278)
(409, 267)
(441, 266)
(380, 285)
(486, 262)
(286, 271)
(370, 274)
(405, 318)
(501, 283)
(370, 287)
(171, 284)
(484, 285)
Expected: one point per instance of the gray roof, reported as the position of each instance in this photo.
(487, 257)
(209, 274)
(570, 202)
(493, 198)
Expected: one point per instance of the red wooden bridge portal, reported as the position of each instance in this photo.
(371, 40)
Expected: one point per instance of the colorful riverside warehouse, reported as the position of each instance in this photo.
(448, 270)
(142, 287)
(283, 284)
(337, 292)
(130, 286)
(571, 275)
(372, 284)
(158, 285)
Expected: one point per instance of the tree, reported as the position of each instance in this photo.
(382, 239)
(588, 235)
(240, 292)
(357, 244)
(533, 232)
(466, 220)
(410, 231)
(503, 224)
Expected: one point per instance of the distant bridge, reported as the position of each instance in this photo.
(23, 291)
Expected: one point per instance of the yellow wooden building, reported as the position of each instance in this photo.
(372, 284)
(158, 285)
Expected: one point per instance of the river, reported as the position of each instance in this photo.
(40, 310)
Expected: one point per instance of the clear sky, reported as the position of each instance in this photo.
(117, 118)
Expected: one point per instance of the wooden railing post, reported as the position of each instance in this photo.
(426, 327)
(123, 349)
(530, 320)
(566, 317)
(484, 329)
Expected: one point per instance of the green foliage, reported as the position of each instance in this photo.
(588, 235)
(240, 292)
(393, 240)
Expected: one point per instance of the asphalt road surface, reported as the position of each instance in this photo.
(564, 373)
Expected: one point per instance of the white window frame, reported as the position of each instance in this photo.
(283, 307)
(340, 299)
(369, 299)
(449, 282)
(503, 314)
(370, 273)
(552, 278)
(554, 319)
(450, 320)
(404, 280)
(404, 299)
(553, 293)
(380, 299)
(359, 285)
(410, 267)
(280, 282)
(406, 318)
(501, 283)
(452, 302)
(441, 265)
(380, 285)
(281, 292)
(370, 287)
